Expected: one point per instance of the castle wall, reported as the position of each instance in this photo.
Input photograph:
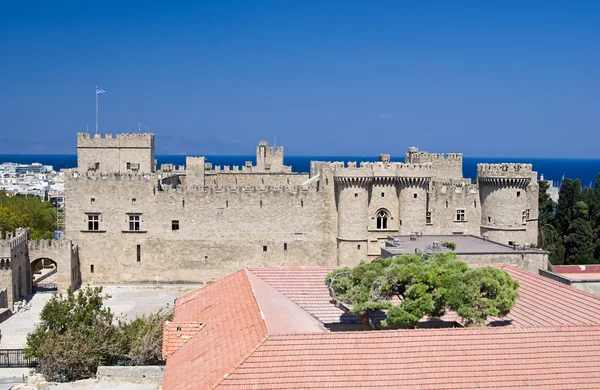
(15, 272)
(114, 154)
(220, 230)
(445, 199)
(222, 179)
(66, 257)
(412, 205)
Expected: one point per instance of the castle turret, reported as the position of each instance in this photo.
(353, 187)
(508, 207)
(270, 159)
(122, 154)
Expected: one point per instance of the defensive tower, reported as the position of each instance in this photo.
(124, 153)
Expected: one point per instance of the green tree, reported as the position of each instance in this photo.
(579, 243)
(76, 334)
(569, 195)
(425, 287)
(143, 336)
(29, 212)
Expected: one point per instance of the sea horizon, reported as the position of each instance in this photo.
(555, 169)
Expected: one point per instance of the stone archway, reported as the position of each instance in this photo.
(43, 271)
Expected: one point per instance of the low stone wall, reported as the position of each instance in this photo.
(132, 374)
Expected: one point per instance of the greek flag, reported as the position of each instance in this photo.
(99, 91)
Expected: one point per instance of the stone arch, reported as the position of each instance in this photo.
(42, 269)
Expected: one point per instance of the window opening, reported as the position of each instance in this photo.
(93, 222)
(264, 248)
(285, 246)
(134, 222)
(382, 220)
(428, 218)
(133, 200)
(91, 268)
(139, 253)
(518, 194)
(175, 224)
(92, 200)
(460, 214)
(415, 195)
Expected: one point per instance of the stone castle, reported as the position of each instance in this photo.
(134, 222)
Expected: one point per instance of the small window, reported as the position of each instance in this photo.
(399, 222)
(518, 194)
(475, 203)
(446, 204)
(302, 203)
(134, 222)
(415, 195)
(183, 203)
(264, 248)
(511, 243)
(226, 203)
(128, 165)
(139, 253)
(383, 194)
(92, 200)
(175, 224)
(428, 218)
(205, 259)
(460, 214)
(356, 194)
(91, 268)
(93, 222)
(133, 200)
(285, 246)
(261, 203)
(358, 247)
(489, 219)
(96, 165)
(326, 180)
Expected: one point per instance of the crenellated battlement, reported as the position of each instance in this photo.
(263, 189)
(137, 140)
(505, 170)
(381, 169)
(12, 240)
(62, 244)
(130, 176)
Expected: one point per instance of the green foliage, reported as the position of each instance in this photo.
(449, 244)
(425, 287)
(579, 243)
(569, 195)
(29, 212)
(77, 333)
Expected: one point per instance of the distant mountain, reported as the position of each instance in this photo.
(201, 146)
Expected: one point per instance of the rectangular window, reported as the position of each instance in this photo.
(91, 268)
(92, 200)
(525, 216)
(133, 200)
(264, 248)
(518, 194)
(428, 218)
(139, 253)
(460, 214)
(128, 165)
(415, 195)
(134, 222)
(175, 224)
(97, 166)
(93, 222)
(285, 246)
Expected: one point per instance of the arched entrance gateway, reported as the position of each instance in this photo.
(54, 264)
(44, 274)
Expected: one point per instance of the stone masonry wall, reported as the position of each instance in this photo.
(113, 154)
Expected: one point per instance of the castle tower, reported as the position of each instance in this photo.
(353, 189)
(133, 153)
(508, 195)
(412, 204)
(269, 159)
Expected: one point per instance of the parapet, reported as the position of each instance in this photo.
(138, 140)
(505, 170)
(13, 240)
(381, 169)
(413, 156)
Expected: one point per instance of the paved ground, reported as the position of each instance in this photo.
(10, 377)
(127, 301)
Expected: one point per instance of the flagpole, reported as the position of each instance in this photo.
(96, 109)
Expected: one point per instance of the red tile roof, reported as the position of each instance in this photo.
(482, 358)
(176, 334)
(542, 301)
(234, 328)
(256, 338)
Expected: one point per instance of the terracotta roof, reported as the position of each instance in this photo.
(234, 328)
(482, 358)
(306, 287)
(176, 334)
(232, 316)
(542, 301)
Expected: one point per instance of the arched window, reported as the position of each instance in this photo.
(382, 220)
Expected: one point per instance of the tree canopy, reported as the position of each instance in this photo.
(427, 286)
(77, 333)
(28, 212)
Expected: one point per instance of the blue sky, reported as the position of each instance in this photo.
(486, 78)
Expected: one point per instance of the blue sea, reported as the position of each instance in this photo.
(552, 168)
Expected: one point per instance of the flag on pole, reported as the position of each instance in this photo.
(99, 91)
